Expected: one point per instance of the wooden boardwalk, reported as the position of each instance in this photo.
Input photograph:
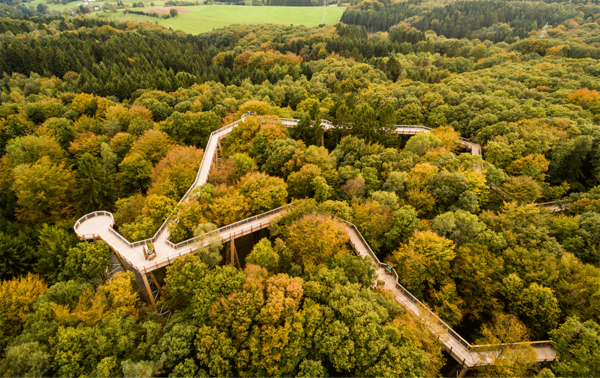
(462, 351)
(397, 129)
(99, 225)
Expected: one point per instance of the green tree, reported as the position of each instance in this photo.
(422, 142)
(93, 186)
(589, 231)
(576, 344)
(395, 183)
(52, 251)
(243, 164)
(539, 308)
(183, 279)
(339, 209)
(447, 188)
(25, 360)
(42, 8)
(61, 129)
(322, 190)
(423, 265)
(405, 224)
(191, 128)
(300, 183)
(386, 199)
(134, 173)
(279, 153)
(510, 360)
(365, 124)
(31, 148)
(459, 226)
(173, 12)
(86, 262)
(16, 257)
(477, 272)
(176, 345)
(311, 368)
(264, 256)
(209, 244)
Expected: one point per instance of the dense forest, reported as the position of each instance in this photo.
(99, 115)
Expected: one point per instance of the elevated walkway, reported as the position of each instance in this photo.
(397, 129)
(99, 225)
(468, 355)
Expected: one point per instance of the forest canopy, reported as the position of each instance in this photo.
(504, 245)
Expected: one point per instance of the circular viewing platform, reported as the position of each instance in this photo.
(93, 224)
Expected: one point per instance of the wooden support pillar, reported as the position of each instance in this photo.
(120, 260)
(233, 254)
(462, 373)
(227, 254)
(220, 149)
(256, 235)
(454, 370)
(149, 292)
(156, 282)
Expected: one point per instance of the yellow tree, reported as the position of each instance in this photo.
(423, 266)
(510, 359)
(313, 238)
(263, 192)
(18, 296)
(44, 191)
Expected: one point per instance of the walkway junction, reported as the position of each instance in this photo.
(99, 226)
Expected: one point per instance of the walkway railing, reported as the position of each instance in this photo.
(92, 215)
(421, 310)
(218, 231)
(425, 312)
(402, 289)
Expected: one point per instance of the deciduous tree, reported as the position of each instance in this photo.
(44, 191)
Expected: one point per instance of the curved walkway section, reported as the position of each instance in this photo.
(99, 225)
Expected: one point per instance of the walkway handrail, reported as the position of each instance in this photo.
(229, 227)
(421, 309)
(407, 293)
(430, 313)
(533, 344)
(91, 215)
(169, 259)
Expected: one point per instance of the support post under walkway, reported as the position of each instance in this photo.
(149, 292)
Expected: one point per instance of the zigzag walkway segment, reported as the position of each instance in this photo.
(99, 225)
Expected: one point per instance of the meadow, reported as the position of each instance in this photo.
(207, 17)
(203, 18)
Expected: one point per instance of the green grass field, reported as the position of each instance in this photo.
(205, 18)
